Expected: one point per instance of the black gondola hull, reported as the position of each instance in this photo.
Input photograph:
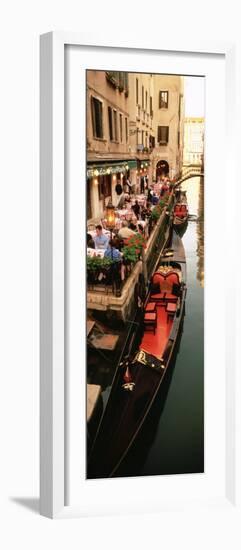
(126, 411)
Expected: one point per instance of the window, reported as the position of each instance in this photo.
(162, 135)
(142, 97)
(151, 110)
(110, 123)
(179, 106)
(126, 129)
(121, 129)
(163, 100)
(112, 119)
(97, 117)
(137, 91)
(104, 186)
(115, 125)
(146, 101)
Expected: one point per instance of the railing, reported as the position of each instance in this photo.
(108, 279)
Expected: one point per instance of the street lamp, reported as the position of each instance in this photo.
(110, 224)
(110, 216)
(110, 221)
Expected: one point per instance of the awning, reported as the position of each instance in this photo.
(104, 168)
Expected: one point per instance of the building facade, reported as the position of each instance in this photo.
(168, 125)
(193, 141)
(134, 129)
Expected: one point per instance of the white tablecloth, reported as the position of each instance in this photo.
(95, 252)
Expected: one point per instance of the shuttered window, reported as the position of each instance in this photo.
(110, 123)
(163, 99)
(121, 128)
(162, 135)
(97, 117)
(126, 129)
(137, 91)
(115, 125)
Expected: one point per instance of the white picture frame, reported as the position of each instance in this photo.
(53, 434)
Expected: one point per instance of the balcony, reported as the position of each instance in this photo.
(141, 149)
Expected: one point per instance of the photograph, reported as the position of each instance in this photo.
(144, 274)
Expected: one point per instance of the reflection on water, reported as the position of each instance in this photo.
(200, 234)
(195, 195)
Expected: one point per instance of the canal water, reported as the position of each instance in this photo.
(172, 440)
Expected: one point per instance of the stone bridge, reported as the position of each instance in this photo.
(190, 173)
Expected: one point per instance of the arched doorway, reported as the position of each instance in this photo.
(162, 168)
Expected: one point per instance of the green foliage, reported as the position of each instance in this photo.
(155, 213)
(95, 263)
(133, 247)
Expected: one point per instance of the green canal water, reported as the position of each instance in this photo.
(172, 439)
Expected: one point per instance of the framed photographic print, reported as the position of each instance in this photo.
(137, 362)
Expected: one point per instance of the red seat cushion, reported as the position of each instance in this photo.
(170, 296)
(150, 306)
(172, 277)
(171, 307)
(150, 317)
(158, 278)
(156, 297)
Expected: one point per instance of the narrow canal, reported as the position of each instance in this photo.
(172, 439)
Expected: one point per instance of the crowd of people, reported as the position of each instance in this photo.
(134, 217)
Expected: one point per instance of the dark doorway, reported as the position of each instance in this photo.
(162, 168)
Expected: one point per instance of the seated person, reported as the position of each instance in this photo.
(112, 252)
(155, 199)
(100, 240)
(116, 242)
(125, 231)
(140, 229)
(146, 212)
(90, 242)
(115, 255)
(132, 226)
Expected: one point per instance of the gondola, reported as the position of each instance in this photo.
(140, 374)
(180, 211)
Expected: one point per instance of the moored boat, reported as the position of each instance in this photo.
(139, 375)
(180, 211)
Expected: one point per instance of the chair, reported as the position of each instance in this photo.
(171, 310)
(150, 307)
(150, 321)
(156, 294)
(172, 278)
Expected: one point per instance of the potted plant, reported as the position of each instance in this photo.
(95, 266)
(133, 248)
